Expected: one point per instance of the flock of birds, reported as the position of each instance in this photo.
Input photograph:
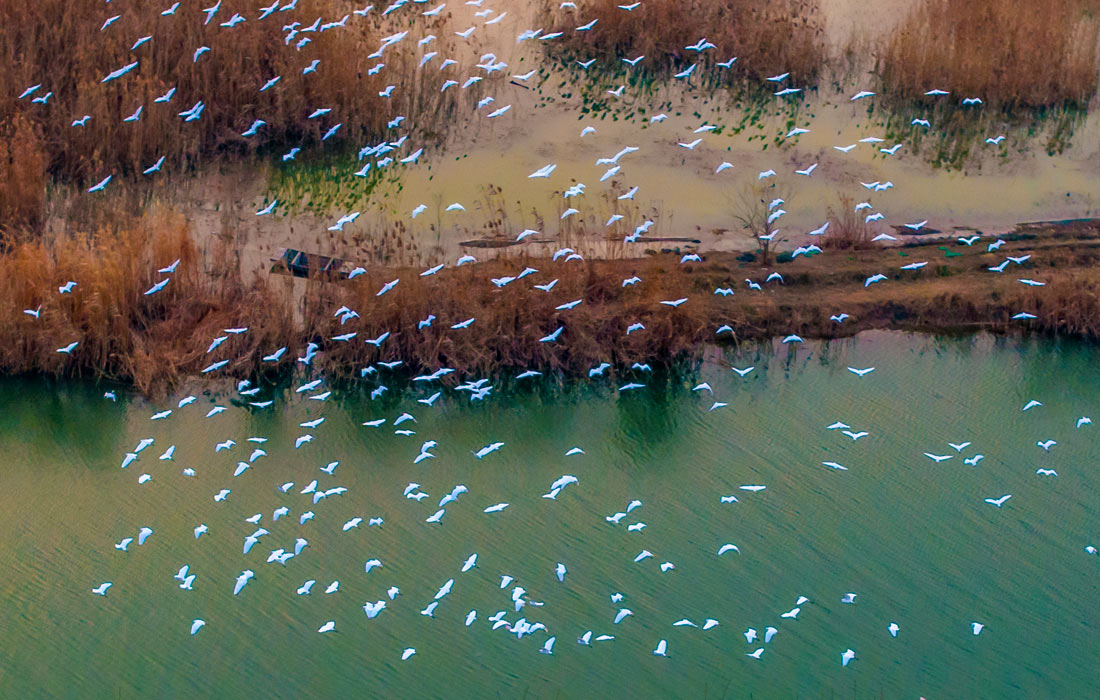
(300, 503)
(488, 68)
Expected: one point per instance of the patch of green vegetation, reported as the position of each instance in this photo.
(955, 137)
(323, 182)
(752, 105)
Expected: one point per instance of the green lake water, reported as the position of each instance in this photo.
(914, 539)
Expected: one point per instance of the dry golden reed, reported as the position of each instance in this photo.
(59, 44)
(848, 228)
(768, 37)
(1010, 53)
(156, 341)
(22, 177)
(121, 333)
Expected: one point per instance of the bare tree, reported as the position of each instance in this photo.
(758, 210)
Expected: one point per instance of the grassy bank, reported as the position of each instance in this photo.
(156, 340)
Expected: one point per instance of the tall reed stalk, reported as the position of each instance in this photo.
(1029, 54)
(768, 37)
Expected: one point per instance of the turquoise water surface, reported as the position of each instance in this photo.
(913, 538)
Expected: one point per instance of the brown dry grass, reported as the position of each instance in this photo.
(22, 177)
(1011, 53)
(158, 340)
(149, 340)
(59, 43)
(511, 320)
(848, 228)
(767, 36)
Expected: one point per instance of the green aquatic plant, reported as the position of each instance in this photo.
(324, 183)
(955, 136)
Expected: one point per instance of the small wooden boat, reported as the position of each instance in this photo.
(298, 263)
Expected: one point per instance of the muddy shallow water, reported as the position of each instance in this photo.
(485, 163)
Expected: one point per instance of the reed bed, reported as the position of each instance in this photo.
(510, 321)
(151, 341)
(1013, 54)
(954, 294)
(767, 37)
(60, 44)
(156, 341)
(22, 177)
